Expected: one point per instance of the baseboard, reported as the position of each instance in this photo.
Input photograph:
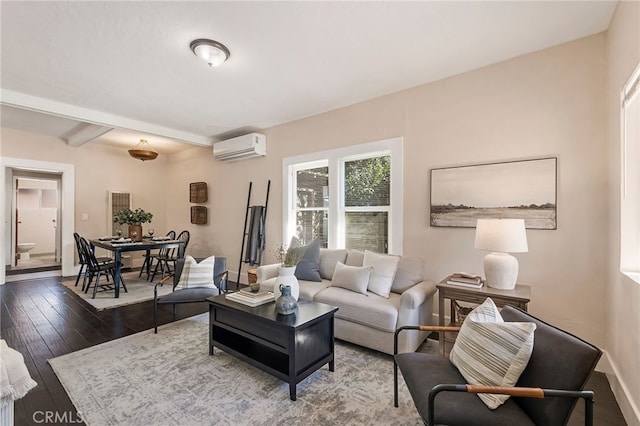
(627, 405)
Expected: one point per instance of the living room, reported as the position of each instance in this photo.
(561, 101)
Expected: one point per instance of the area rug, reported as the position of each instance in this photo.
(139, 290)
(170, 379)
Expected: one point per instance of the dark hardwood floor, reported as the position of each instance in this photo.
(42, 319)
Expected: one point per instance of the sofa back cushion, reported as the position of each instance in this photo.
(328, 260)
(354, 257)
(409, 273)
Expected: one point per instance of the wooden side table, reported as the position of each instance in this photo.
(518, 297)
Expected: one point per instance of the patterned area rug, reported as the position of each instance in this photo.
(139, 290)
(170, 379)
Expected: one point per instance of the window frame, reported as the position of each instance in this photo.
(630, 181)
(335, 158)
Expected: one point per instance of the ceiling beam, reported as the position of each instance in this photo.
(87, 134)
(99, 118)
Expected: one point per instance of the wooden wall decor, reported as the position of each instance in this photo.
(198, 192)
(199, 215)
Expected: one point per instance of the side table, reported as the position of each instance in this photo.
(519, 297)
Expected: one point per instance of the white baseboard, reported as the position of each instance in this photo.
(627, 405)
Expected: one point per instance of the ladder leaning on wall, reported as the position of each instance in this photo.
(253, 233)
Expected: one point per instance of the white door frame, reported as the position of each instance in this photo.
(53, 177)
(67, 209)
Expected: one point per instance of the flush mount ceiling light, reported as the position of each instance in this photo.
(211, 51)
(143, 151)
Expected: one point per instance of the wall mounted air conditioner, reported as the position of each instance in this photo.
(247, 146)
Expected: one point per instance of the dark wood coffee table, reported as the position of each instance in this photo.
(289, 347)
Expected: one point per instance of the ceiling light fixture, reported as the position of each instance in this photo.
(211, 51)
(143, 151)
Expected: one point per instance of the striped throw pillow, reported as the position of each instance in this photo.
(489, 351)
(196, 274)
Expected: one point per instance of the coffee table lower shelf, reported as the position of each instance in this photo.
(289, 348)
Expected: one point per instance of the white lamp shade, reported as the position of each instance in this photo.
(501, 235)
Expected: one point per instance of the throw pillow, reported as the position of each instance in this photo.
(354, 278)
(308, 268)
(383, 269)
(489, 351)
(196, 274)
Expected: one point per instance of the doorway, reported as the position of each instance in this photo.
(36, 215)
(10, 166)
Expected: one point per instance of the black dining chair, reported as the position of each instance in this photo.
(168, 259)
(148, 258)
(83, 261)
(96, 269)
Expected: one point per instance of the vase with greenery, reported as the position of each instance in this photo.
(289, 259)
(135, 219)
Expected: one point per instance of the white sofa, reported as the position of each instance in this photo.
(369, 319)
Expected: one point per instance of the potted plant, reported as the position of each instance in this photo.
(135, 219)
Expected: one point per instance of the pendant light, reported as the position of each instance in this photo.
(143, 151)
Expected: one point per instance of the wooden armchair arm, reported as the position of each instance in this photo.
(513, 391)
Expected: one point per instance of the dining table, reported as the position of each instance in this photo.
(119, 246)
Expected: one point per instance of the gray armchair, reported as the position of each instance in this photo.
(545, 394)
(191, 294)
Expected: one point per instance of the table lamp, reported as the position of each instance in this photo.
(501, 236)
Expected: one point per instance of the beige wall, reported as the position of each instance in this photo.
(550, 103)
(623, 320)
(98, 169)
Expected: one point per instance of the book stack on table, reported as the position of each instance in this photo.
(466, 280)
(251, 299)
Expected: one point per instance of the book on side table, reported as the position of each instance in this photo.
(466, 280)
(251, 299)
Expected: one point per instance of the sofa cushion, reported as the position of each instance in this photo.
(368, 309)
(491, 352)
(354, 278)
(383, 271)
(309, 266)
(328, 260)
(308, 289)
(409, 273)
(354, 257)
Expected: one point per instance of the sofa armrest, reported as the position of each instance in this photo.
(265, 272)
(415, 296)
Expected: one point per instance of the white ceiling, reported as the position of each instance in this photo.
(128, 66)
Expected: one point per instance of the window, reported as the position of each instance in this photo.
(349, 197)
(630, 179)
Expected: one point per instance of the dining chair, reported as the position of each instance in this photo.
(148, 258)
(165, 261)
(97, 269)
(82, 259)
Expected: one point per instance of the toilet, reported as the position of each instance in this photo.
(24, 249)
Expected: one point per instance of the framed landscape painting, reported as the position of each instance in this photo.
(511, 190)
